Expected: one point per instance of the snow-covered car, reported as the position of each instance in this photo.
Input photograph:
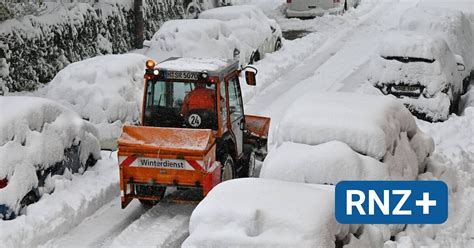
(452, 25)
(192, 8)
(194, 39)
(105, 90)
(39, 138)
(380, 129)
(255, 212)
(313, 8)
(421, 70)
(250, 25)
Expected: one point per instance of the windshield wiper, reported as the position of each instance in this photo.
(408, 59)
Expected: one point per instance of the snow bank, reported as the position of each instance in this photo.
(328, 163)
(34, 134)
(75, 198)
(248, 213)
(106, 90)
(195, 39)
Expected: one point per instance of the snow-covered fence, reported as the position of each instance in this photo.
(34, 46)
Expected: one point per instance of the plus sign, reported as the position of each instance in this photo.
(426, 203)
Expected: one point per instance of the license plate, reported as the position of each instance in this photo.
(406, 88)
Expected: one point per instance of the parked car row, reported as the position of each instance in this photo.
(234, 32)
(427, 63)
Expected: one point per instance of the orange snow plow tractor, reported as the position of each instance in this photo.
(193, 131)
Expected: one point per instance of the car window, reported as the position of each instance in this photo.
(235, 100)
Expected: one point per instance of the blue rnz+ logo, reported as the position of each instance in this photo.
(391, 202)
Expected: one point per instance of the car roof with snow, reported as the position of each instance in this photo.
(234, 12)
(214, 67)
(413, 44)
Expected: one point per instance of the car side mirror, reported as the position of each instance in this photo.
(460, 63)
(250, 78)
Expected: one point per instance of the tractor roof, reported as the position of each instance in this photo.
(214, 67)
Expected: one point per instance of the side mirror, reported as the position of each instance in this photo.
(250, 78)
(460, 63)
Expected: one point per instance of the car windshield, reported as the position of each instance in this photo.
(180, 104)
(408, 59)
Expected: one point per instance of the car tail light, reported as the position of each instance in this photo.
(288, 1)
(3, 183)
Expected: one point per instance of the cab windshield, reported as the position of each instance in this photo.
(180, 104)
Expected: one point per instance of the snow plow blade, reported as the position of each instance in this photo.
(162, 157)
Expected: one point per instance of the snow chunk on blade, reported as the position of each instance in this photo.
(248, 213)
(368, 124)
(329, 163)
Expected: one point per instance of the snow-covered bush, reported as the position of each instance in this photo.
(106, 90)
(39, 44)
(421, 70)
(248, 213)
(194, 39)
(377, 126)
(250, 25)
(39, 138)
(327, 163)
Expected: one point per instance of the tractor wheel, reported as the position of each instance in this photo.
(227, 172)
(251, 164)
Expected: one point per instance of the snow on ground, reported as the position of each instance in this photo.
(34, 136)
(247, 212)
(106, 90)
(327, 163)
(75, 197)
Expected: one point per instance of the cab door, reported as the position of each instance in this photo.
(236, 112)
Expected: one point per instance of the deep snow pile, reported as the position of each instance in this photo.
(256, 212)
(34, 134)
(327, 163)
(75, 197)
(376, 126)
(451, 162)
(195, 39)
(106, 90)
(249, 24)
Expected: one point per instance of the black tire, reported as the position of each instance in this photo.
(30, 198)
(278, 44)
(255, 57)
(228, 168)
(192, 11)
(345, 6)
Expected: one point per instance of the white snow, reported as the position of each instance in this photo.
(106, 90)
(34, 134)
(75, 197)
(249, 24)
(207, 39)
(194, 64)
(255, 212)
(327, 163)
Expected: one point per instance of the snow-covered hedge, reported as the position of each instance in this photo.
(36, 134)
(34, 47)
(106, 90)
(248, 213)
